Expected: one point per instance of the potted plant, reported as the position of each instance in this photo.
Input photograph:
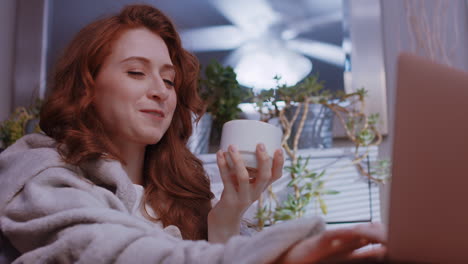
(222, 95)
(22, 121)
(304, 110)
(309, 185)
(361, 129)
(306, 185)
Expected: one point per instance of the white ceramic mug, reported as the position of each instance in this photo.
(246, 134)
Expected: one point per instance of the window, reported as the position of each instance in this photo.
(357, 201)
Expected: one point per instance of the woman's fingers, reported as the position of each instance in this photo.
(264, 167)
(375, 232)
(330, 246)
(340, 243)
(238, 175)
(253, 172)
(343, 243)
(278, 163)
(379, 252)
(224, 171)
(239, 169)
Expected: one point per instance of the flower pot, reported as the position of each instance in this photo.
(317, 131)
(198, 143)
(31, 126)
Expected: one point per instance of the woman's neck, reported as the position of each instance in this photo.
(133, 155)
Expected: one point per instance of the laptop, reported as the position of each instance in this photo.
(428, 219)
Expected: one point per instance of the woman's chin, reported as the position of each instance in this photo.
(147, 138)
(151, 140)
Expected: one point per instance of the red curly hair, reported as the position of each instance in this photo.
(176, 185)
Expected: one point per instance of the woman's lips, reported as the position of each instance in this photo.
(154, 114)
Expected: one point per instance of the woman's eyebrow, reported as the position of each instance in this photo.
(168, 68)
(137, 58)
(165, 67)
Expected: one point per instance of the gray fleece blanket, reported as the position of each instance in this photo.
(53, 212)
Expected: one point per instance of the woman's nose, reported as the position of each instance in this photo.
(158, 90)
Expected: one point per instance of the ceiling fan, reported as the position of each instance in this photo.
(265, 42)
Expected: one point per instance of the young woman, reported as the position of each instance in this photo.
(113, 181)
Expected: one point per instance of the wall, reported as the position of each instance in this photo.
(397, 38)
(67, 17)
(7, 47)
(367, 57)
(30, 51)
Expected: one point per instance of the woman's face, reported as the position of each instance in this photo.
(135, 95)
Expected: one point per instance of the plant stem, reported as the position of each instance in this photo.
(261, 223)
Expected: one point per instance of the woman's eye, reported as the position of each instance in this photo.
(136, 73)
(170, 83)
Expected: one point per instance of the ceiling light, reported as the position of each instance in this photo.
(257, 66)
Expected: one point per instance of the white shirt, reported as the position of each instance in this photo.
(137, 208)
(173, 230)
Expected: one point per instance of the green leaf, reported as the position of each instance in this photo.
(362, 92)
(293, 182)
(350, 124)
(291, 169)
(320, 184)
(323, 206)
(366, 136)
(331, 192)
(283, 216)
(321, 174)
(373, 119)
(222, 93)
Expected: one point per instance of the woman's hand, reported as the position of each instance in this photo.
(242, 187)
(337, 245)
